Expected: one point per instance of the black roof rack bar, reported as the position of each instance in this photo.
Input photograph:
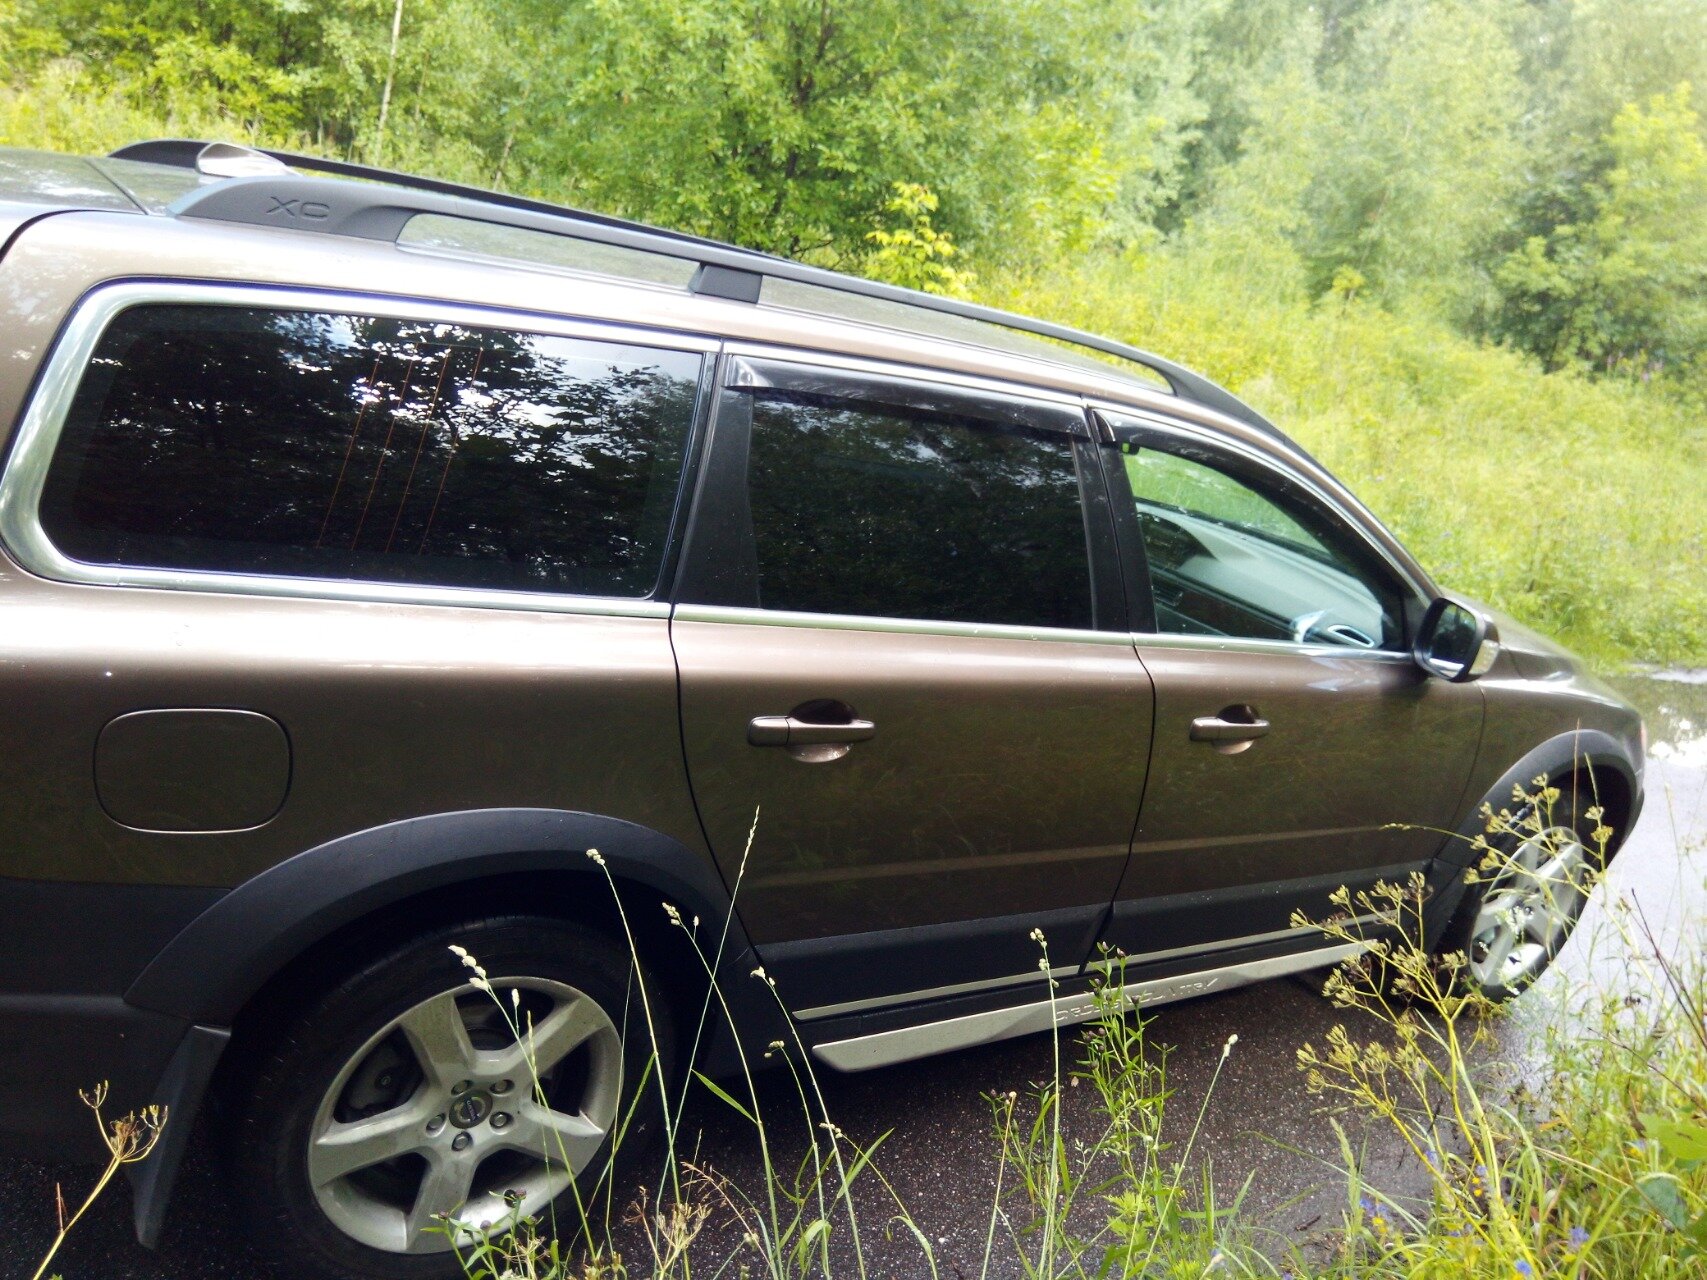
(727, 271)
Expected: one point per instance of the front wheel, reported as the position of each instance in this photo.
(1516, 918)
(418, 1105)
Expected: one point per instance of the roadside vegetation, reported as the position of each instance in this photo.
(1457, 249)
(1582, 1155)
(1578, 1150)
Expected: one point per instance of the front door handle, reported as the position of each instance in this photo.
(1215, 729)
(790, 731)
(1230, 732)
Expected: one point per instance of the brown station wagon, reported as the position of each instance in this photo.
(375, 550)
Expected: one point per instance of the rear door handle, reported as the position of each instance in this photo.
(1215, 729)
(788, 731)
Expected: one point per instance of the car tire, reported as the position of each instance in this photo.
(1515, 919)
(411, 1057)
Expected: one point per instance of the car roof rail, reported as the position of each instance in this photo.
(381, 203)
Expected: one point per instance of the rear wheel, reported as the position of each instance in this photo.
(419, 1104)
(1513, 922)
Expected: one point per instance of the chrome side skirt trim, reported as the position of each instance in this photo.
(904, 1044)
(931, 993)
(1226, 944)
(1062, 971)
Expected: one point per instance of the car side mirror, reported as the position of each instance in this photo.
(1455, 642)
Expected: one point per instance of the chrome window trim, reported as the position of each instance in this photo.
(922, 1040)
(1255, 644)
(1023, 393)
(44, 417)
(741, 615)
(1353, 515)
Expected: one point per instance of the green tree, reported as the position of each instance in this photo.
(1166, 115)
(304, 72)
(1414, 164)
(1247, 233)
(1379, 139)
(786, 124)
(1624, 287)
(909, 251)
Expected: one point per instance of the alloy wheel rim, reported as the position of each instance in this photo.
(445, 1124)
(1529, 909)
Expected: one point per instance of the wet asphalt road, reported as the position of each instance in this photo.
(1261, 1126)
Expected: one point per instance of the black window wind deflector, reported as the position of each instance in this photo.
(381, 203)
(753, 373)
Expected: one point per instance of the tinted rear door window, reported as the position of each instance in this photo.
(863, 509)
(346, 446)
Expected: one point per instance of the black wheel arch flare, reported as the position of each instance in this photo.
(227, 954)
(217, 963)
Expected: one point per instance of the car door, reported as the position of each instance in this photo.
(907, 675)
(1298, 747)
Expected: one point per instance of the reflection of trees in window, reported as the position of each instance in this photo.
(1228, 558)
(871, 512)
(356, 447)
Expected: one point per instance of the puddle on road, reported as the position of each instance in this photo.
(1659, 879)
(1674, 704)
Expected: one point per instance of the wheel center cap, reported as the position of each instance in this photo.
(470, 1109)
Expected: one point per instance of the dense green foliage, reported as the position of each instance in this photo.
(1459, 247)
(1580, 506)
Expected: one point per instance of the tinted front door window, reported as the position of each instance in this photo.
(1233, 557)
(859, 509)
(346, 446)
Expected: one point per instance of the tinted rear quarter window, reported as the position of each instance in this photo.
(882, 512)
(255, 441)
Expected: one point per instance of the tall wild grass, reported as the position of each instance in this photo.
(1591, 1162)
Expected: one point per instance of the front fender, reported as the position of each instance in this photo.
(1556, 757)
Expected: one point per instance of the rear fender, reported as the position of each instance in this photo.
(223, 957)
(217, 964)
